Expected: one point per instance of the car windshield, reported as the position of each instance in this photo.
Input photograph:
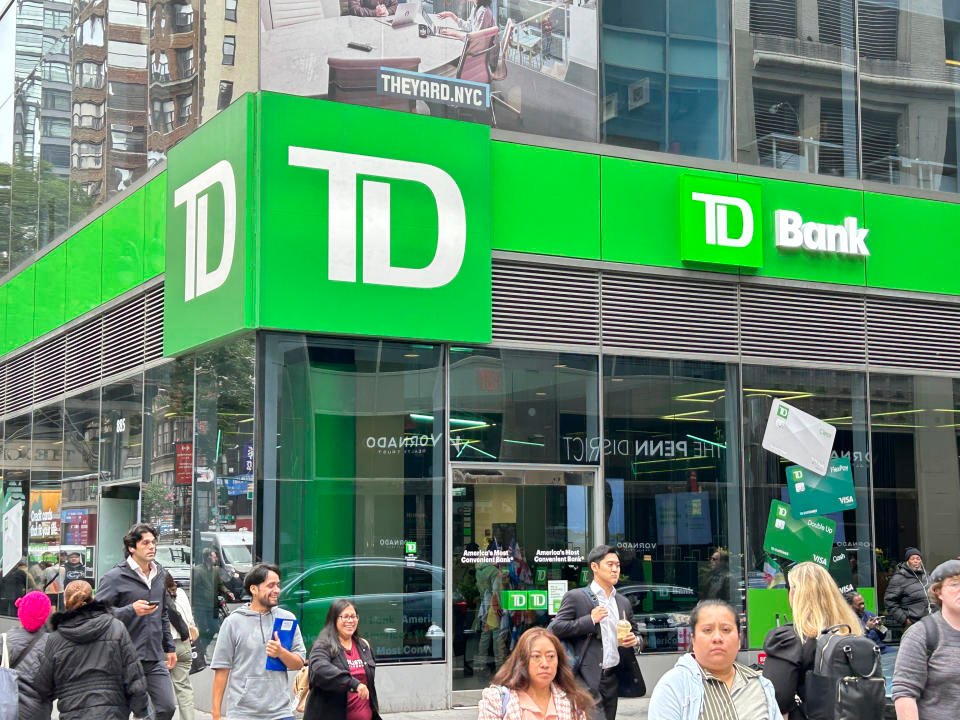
(236, 554)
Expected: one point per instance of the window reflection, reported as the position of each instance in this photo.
(16, 460)
(672, 496)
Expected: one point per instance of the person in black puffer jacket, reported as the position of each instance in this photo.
(906, 600)
(26, 644)
(90, 665)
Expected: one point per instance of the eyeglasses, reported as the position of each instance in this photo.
(348, 618)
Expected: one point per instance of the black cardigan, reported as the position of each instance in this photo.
(330, 681)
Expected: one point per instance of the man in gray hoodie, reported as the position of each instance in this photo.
(246, 641)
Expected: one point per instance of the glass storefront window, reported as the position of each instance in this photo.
(223, 468)
(671, 449)
(353, 486)
(44, 532)
(838, 398)
(916, 471)
(796, 86)
(81, 468)
(523, 406)
(17, 453)
(665, 74)
(514, 531)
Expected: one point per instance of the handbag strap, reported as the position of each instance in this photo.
(26, 649)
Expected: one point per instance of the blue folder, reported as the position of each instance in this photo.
(285, 628)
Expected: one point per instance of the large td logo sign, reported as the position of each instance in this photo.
(346, 182)
(301, 215)
(723, 224)
(719, 222)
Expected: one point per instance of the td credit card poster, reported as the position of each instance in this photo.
(813, 494)
(798, 539)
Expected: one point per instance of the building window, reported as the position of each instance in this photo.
(88, 74)
(774, 17)
(184, 62)
(89, 32)
(225, 96)
(128, 55)
(57, 155)
(132, 13)
(55, 99)
(55, 127)
(88, 115)
(56, 19)
(92, 188)
(523, 406)
(127, 138)
(229, 48)
(87, 156)
(127, 96)
(122, 177)
(182, 17)
(185, 110)
(163, 115)
(160, 69)
(231, 10)
(56, 71)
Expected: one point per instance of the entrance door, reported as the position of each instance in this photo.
(515, 529)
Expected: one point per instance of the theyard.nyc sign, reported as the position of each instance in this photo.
(722, 224)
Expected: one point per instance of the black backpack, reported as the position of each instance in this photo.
(846, 681)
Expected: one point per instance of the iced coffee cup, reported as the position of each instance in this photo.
(623, 629)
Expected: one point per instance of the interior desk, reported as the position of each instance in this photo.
(293, 59)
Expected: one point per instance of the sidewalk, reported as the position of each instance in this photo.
(629, 709)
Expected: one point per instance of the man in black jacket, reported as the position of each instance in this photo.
(588, 619)
(135, 591)
(906, 599)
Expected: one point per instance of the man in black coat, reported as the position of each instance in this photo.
(906, 599)
(587, 620)
(135, 590)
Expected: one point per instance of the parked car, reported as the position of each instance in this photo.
(176, 560)
(400, 602)
(664, 611)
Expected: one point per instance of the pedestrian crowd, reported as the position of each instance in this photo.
(129, 650)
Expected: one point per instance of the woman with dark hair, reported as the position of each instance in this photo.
(342, 669)
(90, 666)
(709, 683)
(535, 682)
(184, 630)
(481, 17)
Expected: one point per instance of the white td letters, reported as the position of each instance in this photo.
(846, 239)
(716, 219)
(197, 280)
(342, 229)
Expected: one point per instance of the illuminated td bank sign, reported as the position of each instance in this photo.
(722, 223)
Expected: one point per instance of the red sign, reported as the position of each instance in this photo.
(183, 474)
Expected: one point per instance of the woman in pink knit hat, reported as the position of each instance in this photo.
(25, 645)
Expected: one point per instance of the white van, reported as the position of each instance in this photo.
(235, 550)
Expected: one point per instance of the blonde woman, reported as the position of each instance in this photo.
(817, 604)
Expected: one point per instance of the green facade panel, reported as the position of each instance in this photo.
(84, 267)
(913, 244)
(20, 309)
(545, 201)
(123, 233)
(155, 226)
(50, 293)
(4, 347)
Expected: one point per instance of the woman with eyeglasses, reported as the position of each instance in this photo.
(342, 668)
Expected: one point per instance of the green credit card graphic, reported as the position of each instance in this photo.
(798, 539)
(812, 494)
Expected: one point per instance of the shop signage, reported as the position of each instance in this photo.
(722, 224)
(813, 494)
(422, 86)
(297, 214)
(524, 600)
